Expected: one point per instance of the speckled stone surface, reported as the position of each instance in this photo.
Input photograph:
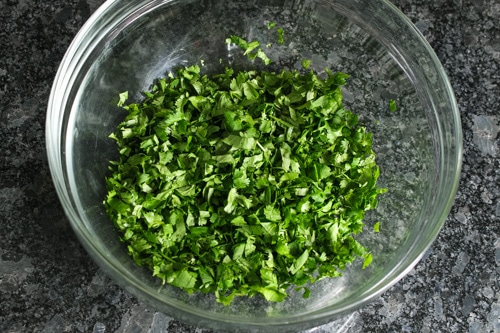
(49, 284)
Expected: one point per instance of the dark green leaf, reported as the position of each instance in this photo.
(243, 183)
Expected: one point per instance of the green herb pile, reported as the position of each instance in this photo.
(242, 183)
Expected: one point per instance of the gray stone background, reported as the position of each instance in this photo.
(49, 284)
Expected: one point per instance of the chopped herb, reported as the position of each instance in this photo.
(376, 227)
(249, 48)
(367, 260)
(122, 98)
(281, 34)
(306, 63)
(242, 183)
(392, 105)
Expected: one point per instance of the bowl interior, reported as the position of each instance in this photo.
(124, 47)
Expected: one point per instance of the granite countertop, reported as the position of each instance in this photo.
(48, 283)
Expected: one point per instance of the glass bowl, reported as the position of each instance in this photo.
(125, 45)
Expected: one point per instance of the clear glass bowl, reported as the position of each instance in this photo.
(125, 45)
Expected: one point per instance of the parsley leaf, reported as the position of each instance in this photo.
(281, 35)
(306, 63)
(243, 183)
(392, 105)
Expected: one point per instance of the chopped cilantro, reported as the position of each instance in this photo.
(376, 227)
(242, 183)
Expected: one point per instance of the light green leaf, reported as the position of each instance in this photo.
(272, 213)
(297, 265)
